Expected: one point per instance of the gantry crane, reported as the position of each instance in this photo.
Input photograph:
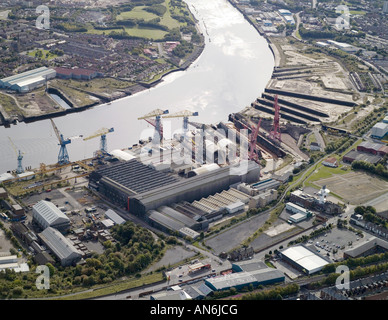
(20, 157)
(101, 133)
(185, 115)
(156, 122)
(63, 156)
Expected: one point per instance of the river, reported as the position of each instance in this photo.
(232, 72)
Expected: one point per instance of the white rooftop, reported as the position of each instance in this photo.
(305, 258)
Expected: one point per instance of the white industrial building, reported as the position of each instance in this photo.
(60, 246)
(29, 80)
(379, 130)
(46, 214)
(11, 263)
(300, 213)
(303, 259)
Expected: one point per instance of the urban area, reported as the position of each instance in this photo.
(269, 204)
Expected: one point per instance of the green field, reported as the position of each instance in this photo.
(146, 33)
(138, 13)
(44, 54)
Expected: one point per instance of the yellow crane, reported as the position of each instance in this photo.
(156, 122)
(20, 157)
(185, 114)
(101, 133)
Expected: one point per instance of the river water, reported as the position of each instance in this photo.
(232, 72)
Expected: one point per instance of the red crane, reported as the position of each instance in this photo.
(275, 131)
(253, 151)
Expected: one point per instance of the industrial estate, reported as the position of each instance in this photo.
(266, 204)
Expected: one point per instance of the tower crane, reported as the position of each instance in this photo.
(20, 157)
(185, 115)
(156, 122)
(101, 133)
(63, 156)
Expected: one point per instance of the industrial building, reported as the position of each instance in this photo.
(261, 200)
(265, 185)
(120, 181)
(373, 245)
(319, 203)
(61, 247)
(45, 214)
(373, 148)
(299, 213)
(28, 81)
(194, 188)
(242, 279)
(110, 214)
(77, 73)
(355, 155)
(11, 263)
(379, 130)
(303, 259)
(168, 224)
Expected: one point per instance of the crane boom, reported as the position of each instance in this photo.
(99, 133)
(155, 113)
(57, 133)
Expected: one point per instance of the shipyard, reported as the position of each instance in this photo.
(275, 195)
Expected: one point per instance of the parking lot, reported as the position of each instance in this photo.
(333, 243)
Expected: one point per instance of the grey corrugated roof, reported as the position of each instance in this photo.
(58, 244)
(136, 176)
(173, 214)
(165, 220)
(50, 213)
(114, 217)
(193, 183)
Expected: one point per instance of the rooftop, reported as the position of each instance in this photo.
(305, 258)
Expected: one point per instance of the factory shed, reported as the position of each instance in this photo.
(304, 259)
(379, 130)
(29, 80)
(373, 246)
(110, 214)
(355, 155)
(248, 265)
(372, 147)
(194, 188)
(61, 247)
(176, 215)
(163, 222)
(265, 185)
(46, 214)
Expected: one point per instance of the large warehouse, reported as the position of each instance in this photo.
(379, 130)
(120, 181)
(192, 189)
(61, 247)
(303, 259)
(140, 188)
(29, 80)
(242, 279)
(45, 214)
